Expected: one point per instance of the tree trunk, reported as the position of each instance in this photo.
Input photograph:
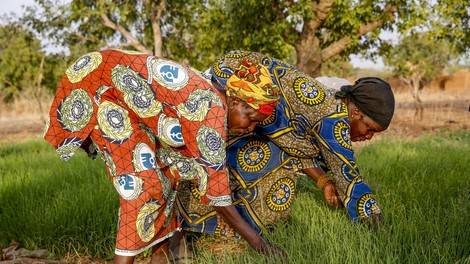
(308, 51)
(157, 13)
(413, 86)
(417, 101)
(310, 56)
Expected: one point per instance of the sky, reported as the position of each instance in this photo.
(16, 7)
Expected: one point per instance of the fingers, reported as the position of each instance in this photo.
(333, 201)
(273, 251)
(331, 196)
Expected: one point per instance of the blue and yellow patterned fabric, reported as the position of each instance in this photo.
(307, 126)
(262, 175)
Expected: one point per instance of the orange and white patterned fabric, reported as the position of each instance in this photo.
(154, 122)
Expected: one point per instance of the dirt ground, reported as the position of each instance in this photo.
(443, 110)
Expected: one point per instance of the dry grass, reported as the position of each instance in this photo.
(25, 108)
(443, 110)
(77, 259)
(23, 120)
(220, 246)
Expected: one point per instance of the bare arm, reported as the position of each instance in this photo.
(326, 185)
(231, 216)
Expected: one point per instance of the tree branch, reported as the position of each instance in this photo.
(336, 48)
(120, 45)
(134, 41)
(157, 32)
(38, 92)
(321, 10)
(9, 83)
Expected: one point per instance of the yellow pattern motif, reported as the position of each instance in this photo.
(83, 66)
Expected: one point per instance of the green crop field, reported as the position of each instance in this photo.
(422, 185)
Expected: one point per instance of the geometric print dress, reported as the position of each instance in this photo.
(154, 123)
(309, 128)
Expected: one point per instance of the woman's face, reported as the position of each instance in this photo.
(362, 127)
(242, 118)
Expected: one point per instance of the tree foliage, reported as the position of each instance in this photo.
(450, 21)
(419, 54)
(437, 35)
(142, 25)
(307, 33)
(20, 59)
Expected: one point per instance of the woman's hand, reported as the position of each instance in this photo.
(326, 185)
(233, 219)
(272, 251)
(331, 195)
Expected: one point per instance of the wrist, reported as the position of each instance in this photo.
(323, 181)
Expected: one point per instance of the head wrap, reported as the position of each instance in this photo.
(373, 96)
(252, 83)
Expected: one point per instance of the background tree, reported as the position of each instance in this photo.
(450, 20)
(142, 25)
(435, 37)
(20, 59)
(418, 59)
(307, 33)
(311, 31)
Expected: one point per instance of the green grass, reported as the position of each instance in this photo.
(422, 185)
(49, 203)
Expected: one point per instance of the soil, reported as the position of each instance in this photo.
(14, 130)
(442, 111)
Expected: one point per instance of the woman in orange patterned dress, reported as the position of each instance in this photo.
(155, 122)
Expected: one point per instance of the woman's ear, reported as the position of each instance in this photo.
(232, 101)
(236, 100)
(357, 111)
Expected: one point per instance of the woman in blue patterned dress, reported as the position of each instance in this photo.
(310, 132)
